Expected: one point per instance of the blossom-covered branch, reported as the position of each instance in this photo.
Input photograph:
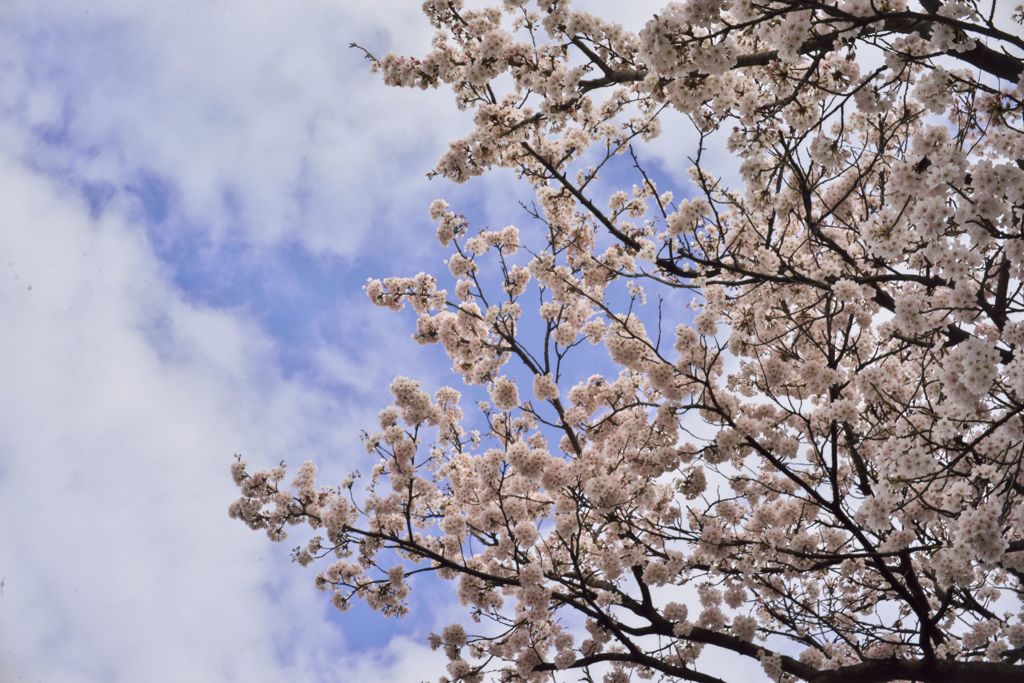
(778, 418)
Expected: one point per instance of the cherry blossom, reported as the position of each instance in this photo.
(802, 442)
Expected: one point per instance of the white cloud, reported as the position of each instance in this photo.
(257, 118)
(120, 408)
(402, 660)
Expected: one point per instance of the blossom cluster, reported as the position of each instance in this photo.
(804, 410)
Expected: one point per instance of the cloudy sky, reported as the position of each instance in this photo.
(191, 196)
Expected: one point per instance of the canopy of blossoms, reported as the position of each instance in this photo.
(818, 464)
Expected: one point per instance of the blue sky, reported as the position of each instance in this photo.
(193, 195)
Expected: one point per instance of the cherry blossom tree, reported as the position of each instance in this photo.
(802, 441)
